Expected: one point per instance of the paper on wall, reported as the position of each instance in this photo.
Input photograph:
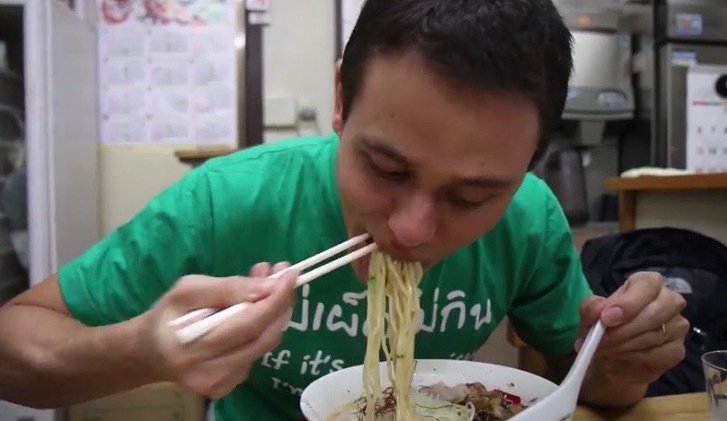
(706, 143)
(168, 72)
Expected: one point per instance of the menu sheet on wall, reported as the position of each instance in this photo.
(168, 72)
(706, 146)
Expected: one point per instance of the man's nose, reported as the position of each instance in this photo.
(413, 221)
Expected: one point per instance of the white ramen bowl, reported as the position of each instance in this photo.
(322, 397)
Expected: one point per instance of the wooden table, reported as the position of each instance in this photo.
(690, 407)
(628, 188)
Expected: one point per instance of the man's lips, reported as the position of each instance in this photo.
(396, 251)
(401, 255)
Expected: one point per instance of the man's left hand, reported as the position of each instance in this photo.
(645, 331)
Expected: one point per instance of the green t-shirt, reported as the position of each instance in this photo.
(279, 202)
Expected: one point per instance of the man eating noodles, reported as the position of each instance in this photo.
(441, 110)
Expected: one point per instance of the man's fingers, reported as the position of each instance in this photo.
(591, 310)
(250, 323)
(196, 291)
(659, 358)
(264, 269)
(222, 374)
(676, 328)
(261, 270)
(280, 266)
(626, 303)
(665, 309)
(270, 338)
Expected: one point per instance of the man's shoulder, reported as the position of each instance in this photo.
(256, 189)
(532, 210)
(530, 225)
(520, 233)
(533, 198)
(271, 168)
(296, 151)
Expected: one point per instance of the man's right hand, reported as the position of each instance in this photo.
(213, 365)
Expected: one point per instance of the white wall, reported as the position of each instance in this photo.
(299, 59)
(130, 177)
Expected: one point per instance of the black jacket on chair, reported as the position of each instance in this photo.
(693, 265)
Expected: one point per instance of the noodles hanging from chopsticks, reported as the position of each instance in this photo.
(392, 290)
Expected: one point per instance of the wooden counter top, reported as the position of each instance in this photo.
(668, 182)
(688, 407)
(197, 156)
(629, 187)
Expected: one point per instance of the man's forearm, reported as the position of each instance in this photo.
(50, 360)
(605, 390)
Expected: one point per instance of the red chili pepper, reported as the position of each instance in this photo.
(510, 397)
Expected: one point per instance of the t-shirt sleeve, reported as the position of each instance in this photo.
(124, 274)
(546, 311)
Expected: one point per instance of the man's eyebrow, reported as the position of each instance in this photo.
(498, 182)
(378, 145)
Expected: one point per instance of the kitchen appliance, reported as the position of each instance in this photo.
(599, 104)
(690, 38)
(600, 89)
(563, 171)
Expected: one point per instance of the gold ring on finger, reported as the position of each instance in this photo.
(664, 334)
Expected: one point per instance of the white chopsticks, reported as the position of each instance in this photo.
(211, 318)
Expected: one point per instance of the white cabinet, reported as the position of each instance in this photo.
(61, 137)
(66, 143)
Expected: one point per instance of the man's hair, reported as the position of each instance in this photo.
(519, 46)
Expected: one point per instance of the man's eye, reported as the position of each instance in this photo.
(388, 174)
(393, 175)
(466, 204)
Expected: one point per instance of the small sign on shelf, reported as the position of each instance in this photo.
(259, 18)
(257, 5)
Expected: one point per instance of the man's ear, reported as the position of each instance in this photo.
(337, 121)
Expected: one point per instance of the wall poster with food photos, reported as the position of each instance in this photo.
(168, 72)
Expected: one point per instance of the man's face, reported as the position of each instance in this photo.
(425, 164)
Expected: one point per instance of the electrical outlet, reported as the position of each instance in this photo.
(281, 111)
